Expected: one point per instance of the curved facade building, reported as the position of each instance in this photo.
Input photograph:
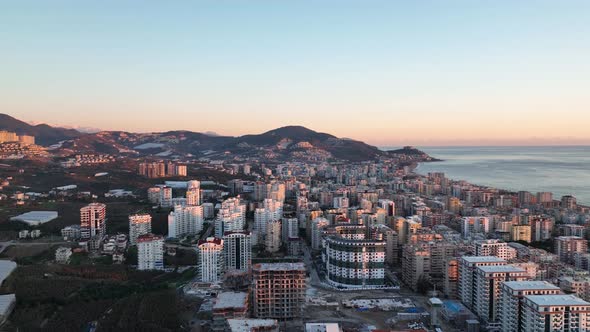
(352, 261)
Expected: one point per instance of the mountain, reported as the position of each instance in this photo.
(412, 152)
(44, 134)
(339, 148)
(281, 144)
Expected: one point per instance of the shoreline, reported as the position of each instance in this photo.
(414, 171)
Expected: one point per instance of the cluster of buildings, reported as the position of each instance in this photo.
(11, 137)
(504, 261)
(160, 169)
(87, 159)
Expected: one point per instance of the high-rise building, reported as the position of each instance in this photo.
(567, 246)
(541, 228)
(512, 297)
(473, 225)
(451, 278)
(521, 233)
(488, 281)
(139, 224)
(388, 206)
(165, 197)
(494, 248)
(426, 260)
(185, 221)
(545, 198)
(341, 202)
(231, 217)
(352, 260)
(569, 202)
(93, 220)
(555, 313)
(237, 249)
(271, 210)
(467, 267)
(272, 240)
(385, 233)
(279, 290)
(211, 262)
(26, 139)
(154, 195)
(317, 225)
(193, 193)
(7, 136)
(289, 229)
(150, 252)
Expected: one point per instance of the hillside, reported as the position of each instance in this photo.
(44, 134)
(281, 144)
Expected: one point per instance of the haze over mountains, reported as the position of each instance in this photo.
(281, 143)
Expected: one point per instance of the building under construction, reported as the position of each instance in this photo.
(279, 290)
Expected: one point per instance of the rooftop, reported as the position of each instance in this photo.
(229, 300)
(279, 266)
(148, 237)
(248, 324)
(530, 285)
(6, 268)
(482, 259)
(34, 218)
(500, 268)
(556, 300)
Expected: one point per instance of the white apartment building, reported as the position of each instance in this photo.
(494, 248)
(474, 225)
(211, 262)
(467, 266)
(231, 217)
(237, 249)
(272, 240)
(193, 193)
(185, 220)
(512, 298)
(353, 261)
(567, 246)
(317, 225)
(93, 220)
(139, 224)
(150, 252)
(270, 210)
(165, 199)
(555, 313)
(487, 285)
(289, 229)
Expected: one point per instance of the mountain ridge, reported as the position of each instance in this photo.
(292, 142)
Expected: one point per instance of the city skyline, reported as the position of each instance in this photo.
(387, 73)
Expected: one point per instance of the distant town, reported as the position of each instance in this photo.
(290, 230)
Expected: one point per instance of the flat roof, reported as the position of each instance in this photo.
(482, 259)
(36, 217)
(247, 324)
(530, 285)
(6, 268)
(228, 300)
(557, 300)
(500, 268)
(279, 266)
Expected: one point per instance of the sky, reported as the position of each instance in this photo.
(421, 72)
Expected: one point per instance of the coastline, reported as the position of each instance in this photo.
(414, 171)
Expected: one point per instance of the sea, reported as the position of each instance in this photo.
(563, 170)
